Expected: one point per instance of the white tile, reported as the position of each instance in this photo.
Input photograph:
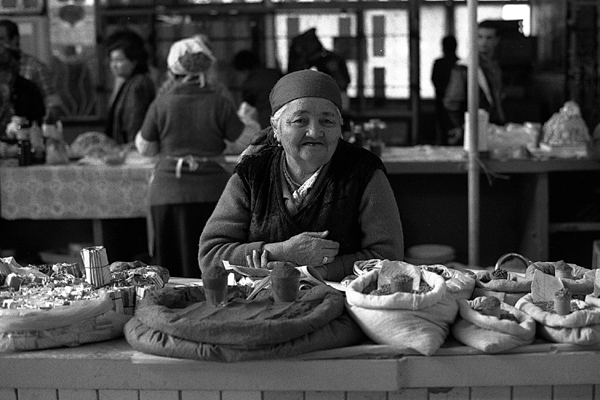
(77, 394)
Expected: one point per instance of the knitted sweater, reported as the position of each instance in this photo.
(361, 214)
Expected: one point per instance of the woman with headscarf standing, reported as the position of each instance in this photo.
(187, 125)
(309, 197)
(135, 90)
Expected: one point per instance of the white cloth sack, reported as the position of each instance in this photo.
(490, 334)
(417, 321)
(583, 282)
(458, 283)
(580, 327)
(507, 290)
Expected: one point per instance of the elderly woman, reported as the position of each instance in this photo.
(188, 126)
(312, 198)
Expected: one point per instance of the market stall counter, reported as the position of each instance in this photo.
(113, 370)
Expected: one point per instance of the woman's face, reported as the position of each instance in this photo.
(120, 65)
(309, 130)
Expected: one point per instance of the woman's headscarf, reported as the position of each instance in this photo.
(304, 83)
(190, 56)
(293, 86)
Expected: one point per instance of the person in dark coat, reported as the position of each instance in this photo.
(257, 84)
(134, 89)
(18, 96)
(440, 77)
(489, 78)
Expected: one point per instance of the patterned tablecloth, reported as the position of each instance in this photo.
(74, 191)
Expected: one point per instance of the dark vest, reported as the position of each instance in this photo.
(335, 206)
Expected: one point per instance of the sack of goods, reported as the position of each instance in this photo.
(402, 305)
(82, 321)
(562, 315)
(459, 284)
(179, 322)
(509, 287)
(565, 320)
(489, 325)
(54, 305)
(577, 279)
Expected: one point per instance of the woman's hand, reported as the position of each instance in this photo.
(257, 259)
(309, 248)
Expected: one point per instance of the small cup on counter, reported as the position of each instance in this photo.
(562, 302)
(214, 280)
(285, 281)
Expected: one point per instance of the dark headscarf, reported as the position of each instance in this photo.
(304, 83)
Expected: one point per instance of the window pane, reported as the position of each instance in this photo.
(393, 65)
(336, 31)
(433, 29)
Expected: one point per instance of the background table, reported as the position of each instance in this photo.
(521, 201)
(74, 192)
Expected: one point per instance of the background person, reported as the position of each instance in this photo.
(217, 75)
(307, 196)
(257, 83)
(187, 126)
(490, 84)
(34, 70)
(306, 51)
(19, 97)
(134, 89)
(440, 77)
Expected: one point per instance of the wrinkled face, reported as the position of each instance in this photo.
(487, 40)
(309, 130)
(120, 65)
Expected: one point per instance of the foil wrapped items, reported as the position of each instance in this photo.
(97, 269)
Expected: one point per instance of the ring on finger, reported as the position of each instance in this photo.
(325, 260)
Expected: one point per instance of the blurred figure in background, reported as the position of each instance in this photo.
(134, 90)
(440, 77)
(18, 96)
(257, 83)
(490, 84)
(187, 125)
(307, 51)
(216, 76)
(22, 108)
(32, 69)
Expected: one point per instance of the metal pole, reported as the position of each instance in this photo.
(415, 69)
(472, 136)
